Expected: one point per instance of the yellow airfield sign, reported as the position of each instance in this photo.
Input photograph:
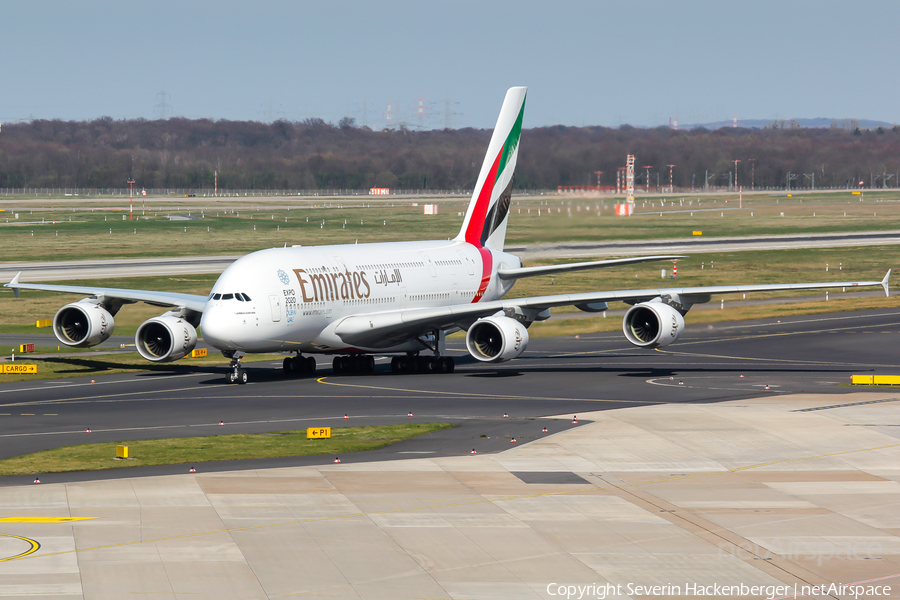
(318, 433)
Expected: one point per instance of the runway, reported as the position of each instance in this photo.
(813, 354)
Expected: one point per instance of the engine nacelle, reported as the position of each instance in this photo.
(496, 339)
(83, 324)
(652, 324)
(165, 338)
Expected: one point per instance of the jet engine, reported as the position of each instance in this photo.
(83, 324)
(496, 339)
(165, 338)
(652, 324)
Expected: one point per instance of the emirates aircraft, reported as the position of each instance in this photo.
(399, 299)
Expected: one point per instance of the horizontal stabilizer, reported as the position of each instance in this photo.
(582, 266)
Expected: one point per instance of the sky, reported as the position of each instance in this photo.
(585, 62)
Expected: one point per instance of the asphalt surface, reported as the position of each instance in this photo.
(556, 376)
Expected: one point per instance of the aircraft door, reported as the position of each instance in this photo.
(429, 263)
(454, 297)
(275, 305)
(403, 298)
(467, 262)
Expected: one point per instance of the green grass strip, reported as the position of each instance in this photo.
(171, 451)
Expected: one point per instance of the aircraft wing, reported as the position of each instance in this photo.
(388, 328)
(581, 266)
(189, 301)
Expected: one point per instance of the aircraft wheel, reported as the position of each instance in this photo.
(430, 365)
(242, 376)
(442, 365)
(287, 365)
(231, 377)
(301, 365)
(370, 364)
(395, 364)
(310, 364)
(451, 364)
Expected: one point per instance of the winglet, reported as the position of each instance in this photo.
(884, 283)
(14, 284)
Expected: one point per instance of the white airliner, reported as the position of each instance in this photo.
(398, 298)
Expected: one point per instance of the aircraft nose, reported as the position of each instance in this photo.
(215, 328)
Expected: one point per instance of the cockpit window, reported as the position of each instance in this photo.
(246, 297)
(217, 296)
(239, 297)
(227, 296)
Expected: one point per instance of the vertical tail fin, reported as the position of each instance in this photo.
(488, 212)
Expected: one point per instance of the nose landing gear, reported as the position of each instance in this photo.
(236, 374)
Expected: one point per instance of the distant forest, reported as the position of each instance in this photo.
(313, 154)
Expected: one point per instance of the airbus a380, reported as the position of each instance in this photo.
(397, 298)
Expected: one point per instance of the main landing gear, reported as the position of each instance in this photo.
(422, 364)
(299, 365)
(236, 374)
(351, 365)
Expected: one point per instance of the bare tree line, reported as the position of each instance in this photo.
(313, 154)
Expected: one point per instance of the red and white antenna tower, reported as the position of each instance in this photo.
(671, 185)
(422, 112)
(648, 167)
(629, 179)
(389, 115)
(130, 183)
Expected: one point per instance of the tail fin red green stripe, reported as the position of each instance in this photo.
(485, 222)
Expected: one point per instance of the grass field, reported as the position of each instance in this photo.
(188, 450)
(54, 229)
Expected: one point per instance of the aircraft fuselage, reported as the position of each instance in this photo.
(297, 295)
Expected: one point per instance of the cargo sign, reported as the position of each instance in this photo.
(27, 369)
(318, 433)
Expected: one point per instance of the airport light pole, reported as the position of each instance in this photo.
(131, 203)
(752, 162)
(736, 171)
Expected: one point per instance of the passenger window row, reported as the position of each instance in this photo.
(393, 265)
(239, 296)
(440, 296)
